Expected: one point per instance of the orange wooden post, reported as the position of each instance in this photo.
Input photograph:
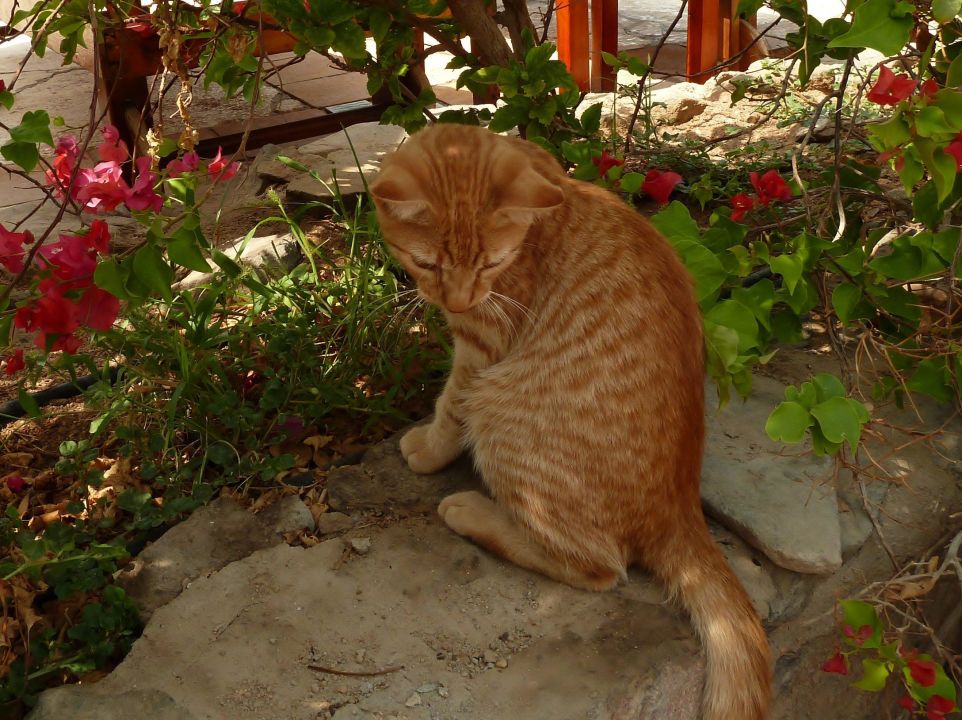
(704, 37)
(604, 38)
(572, 18)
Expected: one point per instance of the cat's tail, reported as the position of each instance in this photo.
(738, 681)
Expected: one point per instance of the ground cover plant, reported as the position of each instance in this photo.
(254, 384)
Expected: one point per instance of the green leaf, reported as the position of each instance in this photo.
(945, 10)
(510, 116)
(790, 268)
(857, 614)
(676, 223)
(25, 155)
(6, 99)
(27, 402)
(932, 378)
(230, 267)
(827, 386)
(591, 118)
(788, 422)
(930, 122)
(845, 298)
(34, 128)
(631, 182)
(183, 249)
(941, 166)
(733, 314)
(150, 268)
(112, 277)
(838, 421)
(891, 133)
(882, 25)
(953, 77)
(875, 674)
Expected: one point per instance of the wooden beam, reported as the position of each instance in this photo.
(572, 18)
(604, 38)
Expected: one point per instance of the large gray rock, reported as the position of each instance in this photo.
(288, 514)
(382, 481)
(269, 256)
(781, 503)
(208, 540)
(73, 702)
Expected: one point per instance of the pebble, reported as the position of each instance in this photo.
(490, 656)
(361, 545)
(413, 701)
(443, 691)
(428, 687)
(359, 656)
(501, 663)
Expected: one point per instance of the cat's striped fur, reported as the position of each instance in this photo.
(577, 383)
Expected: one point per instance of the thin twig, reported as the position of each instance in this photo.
(358, 673)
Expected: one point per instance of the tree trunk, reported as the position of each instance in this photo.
(517, 20)
(486, 38)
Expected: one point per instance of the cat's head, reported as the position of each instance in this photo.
(455, 203)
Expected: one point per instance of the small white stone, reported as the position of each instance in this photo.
(413, 701)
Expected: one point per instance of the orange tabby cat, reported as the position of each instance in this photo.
(577, 383)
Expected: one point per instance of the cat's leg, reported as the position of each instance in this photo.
(479, 518)
(429, 448)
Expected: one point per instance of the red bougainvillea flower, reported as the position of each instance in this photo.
(907, 702)
(56, 314)
(142, 196)
(836, 664)
(891, 89)
(863, 634)
(15, 363)
(16, 483)
(188, 163)
(659, 185)
(937, 707)
(97, 309)
(11, 248)
(140, 27)
(66, 343)
(101, 188)
(770, 186)
(923, 672)
(220, 170)
(112, 149)
(928, 89)
(741, 204)
(954, 149)
(605, 162)
(98, 237)
(3, 86)
(66, 154)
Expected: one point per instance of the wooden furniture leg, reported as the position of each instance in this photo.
(715, 35)
(572, 18)
(604, 38)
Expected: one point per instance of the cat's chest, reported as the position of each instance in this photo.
(480, 342)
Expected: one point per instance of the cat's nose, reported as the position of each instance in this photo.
(458, 305)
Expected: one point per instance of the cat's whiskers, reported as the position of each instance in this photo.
(511, 301)
(501, 319)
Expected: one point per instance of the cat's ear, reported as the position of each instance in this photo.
(396, 193)
(529, 196)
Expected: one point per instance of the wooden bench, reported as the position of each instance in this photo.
(714, 35)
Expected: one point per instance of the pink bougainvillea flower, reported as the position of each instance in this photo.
(112, 149)
(863, 634)
(98, 237)
(11, 248)
(605, 162)
(659, 185)
(220, 170)
(101, 188)
(770, 186)
(178, 166)
(929, 89)
(71, 260)
(741, 204)
(142, 196)
(937, 707)
(15, 483)
(836, 664)
(15, 363)
(923, 672)
(891, 89)
(97, 309)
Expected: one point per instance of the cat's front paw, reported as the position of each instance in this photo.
(427, 451)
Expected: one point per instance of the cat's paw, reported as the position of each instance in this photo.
(426, 452)
(470, 514)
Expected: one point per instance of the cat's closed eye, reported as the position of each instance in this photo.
(493, 263)
(423, 264)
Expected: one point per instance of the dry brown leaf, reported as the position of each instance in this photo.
(16, 459)
(24, 505)
(118, 474)
(264, 500)
(23, 601)
(933, 563)
(317, 443)
(910, 590)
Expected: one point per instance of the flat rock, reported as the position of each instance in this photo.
(73, 702)
(334, 522)
(208, 540)
(237, 644)
(270, 256)
(781, 504)
(382, 481)
(287, 515)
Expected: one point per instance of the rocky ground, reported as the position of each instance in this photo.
(393, 616)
